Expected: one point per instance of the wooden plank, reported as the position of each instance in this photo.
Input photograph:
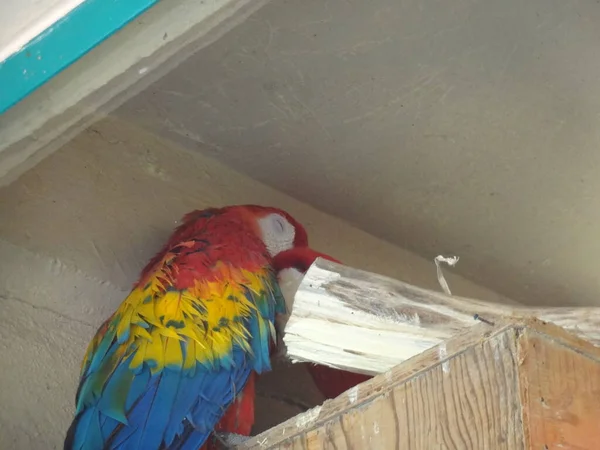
(467, 403)
(560, 387)
(523, 385)
(111, 73)
(365, 322)
(460, 394)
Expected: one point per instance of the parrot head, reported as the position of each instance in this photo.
(237, 226)
(278, 230)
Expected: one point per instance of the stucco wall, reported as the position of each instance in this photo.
(468, 127)
(75, 231)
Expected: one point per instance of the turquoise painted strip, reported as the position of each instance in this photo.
(62, 44)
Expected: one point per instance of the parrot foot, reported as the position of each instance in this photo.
(230, 440)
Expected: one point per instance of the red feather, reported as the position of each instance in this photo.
(239, 418)
(333, 382)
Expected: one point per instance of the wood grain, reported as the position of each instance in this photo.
(365, 322)
(521, 385)
(461, 394)
(561, 393)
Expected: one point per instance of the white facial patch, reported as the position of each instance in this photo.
(278, 233)
(289, 282)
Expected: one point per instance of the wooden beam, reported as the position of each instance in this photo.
(367, 323)
(510, 386)
(114, 71)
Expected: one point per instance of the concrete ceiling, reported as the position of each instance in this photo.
(465, 127)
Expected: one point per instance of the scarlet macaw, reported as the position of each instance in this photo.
(163, 369)
(291, 266)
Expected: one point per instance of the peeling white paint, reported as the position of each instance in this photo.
(388, 376)
(442, 355)
(309, 417)
(353, 394)
(375, 428)
(451, 261)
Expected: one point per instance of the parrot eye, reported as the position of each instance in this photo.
(278, 233)
(278, 224)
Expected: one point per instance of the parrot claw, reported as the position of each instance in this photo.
(230, 440)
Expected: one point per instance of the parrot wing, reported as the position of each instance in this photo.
(239, 417)
(238, 420)
(162, 370)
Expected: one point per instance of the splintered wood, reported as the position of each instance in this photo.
(523, 385)
(367, 323)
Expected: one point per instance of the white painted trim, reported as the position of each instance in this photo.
(114, 71)
(40, 15)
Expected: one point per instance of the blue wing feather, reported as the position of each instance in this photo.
(161, 410)
(174, 408)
